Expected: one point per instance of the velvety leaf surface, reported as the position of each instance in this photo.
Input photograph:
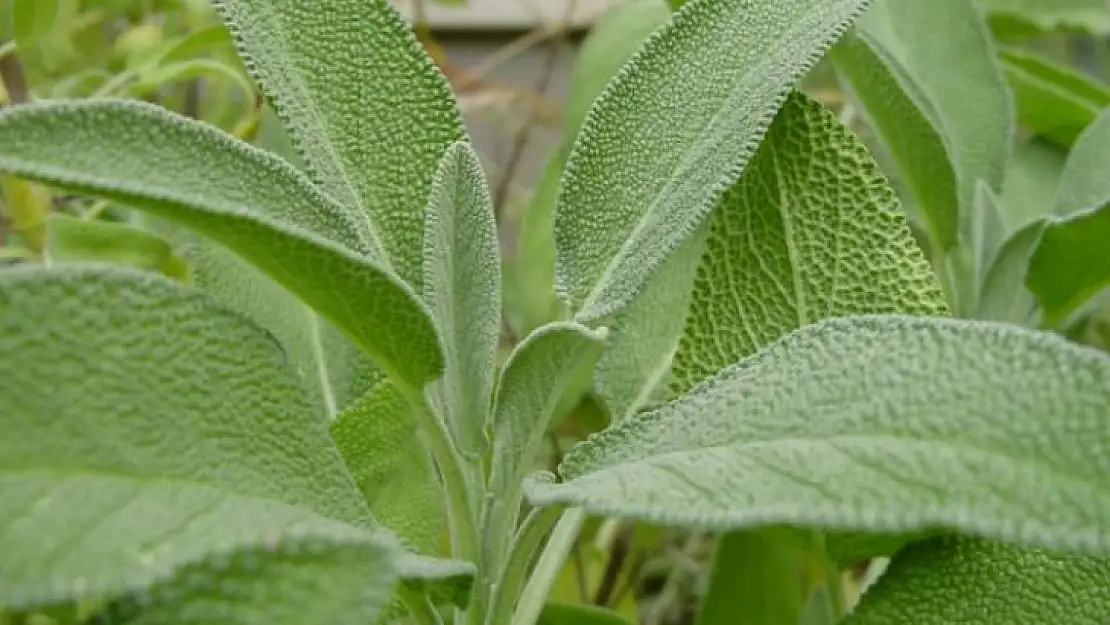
(892, 424)
(965, 580)
(1085, 181)
(1052, 100)
(939, 55)
(462, 286)
(346, 77)
(149, 427)
(812, 230)
(246, 199)
(1032, 178)
(671, 131)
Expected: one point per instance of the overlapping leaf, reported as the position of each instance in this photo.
(346, 77)
(963, 580)
(672, 131)
(1091, 16)
(891, 424)
(1052, 100)
(250, 201)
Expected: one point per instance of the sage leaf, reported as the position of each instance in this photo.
(1084, 183)
(934, 57)
(1032, 180)
(182, 170)
(210, 441)
(977, 427)
(1090, 16)
(812, 230)
(71, 239)
(671, 131)
(291, 582)
(345, 77)
(1052, 100)
(462, 287)
(966, 580)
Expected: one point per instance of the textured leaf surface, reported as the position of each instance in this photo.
(1032, 178)
(964, 580)
(939, 56)
(462, 286)
(1085, 181)
(612, 40)
(73, 239)
(286, 583)
(671, 131)
(150, 427)
(1087, 15)
(988, 429)
(810, 231)
(250, 201)
(346, 77)
(1052, 100)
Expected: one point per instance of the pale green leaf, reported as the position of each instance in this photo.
(671, 131)
(812, 230)
(246, 199)
(612, 40)
(1092, 16)
(533, 381)
(635, 369)
(1085, 181)
(153, 427)
(890, 424)
(346, 77)
(937, 57)
(1032, 178)
(1003, 293)
(285, 583)
(1052, 100)
(964, 580)
(31, 19)
(988, 232)
(462, 286)
(71, 239)
(748, 577)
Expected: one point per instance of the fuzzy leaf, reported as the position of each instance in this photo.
(284, 583)
(671, 131)
(964, 580)
(346, 77)
(462, 286)
(1085, 181)
(812, 230)
(1032, 178)
(1053, 100)
(244, 198)
(935, 57)
(152, 427)
(891, 424)
(71, 239)
(1091, 16)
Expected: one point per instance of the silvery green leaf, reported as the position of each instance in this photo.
(1053, 100)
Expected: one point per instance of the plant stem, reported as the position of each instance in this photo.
(550, 563)
(515, 572)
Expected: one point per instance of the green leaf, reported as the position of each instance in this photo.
(378, 440)
(462, 286)
(671, 131)
(1032, 178)
(253, 202)
(31, 19)
(1069, 265)
(1052, 100)
(346, 77)
(810, 231)
(612, 40)
(891, 424)
(988, 232)
(72, 239)
(287, 583)
(154, 428)
(746, 578)
(1004, 295)
(555, 613)
(635, 369)
(1090, 16)
(965, 580)
(935, 57)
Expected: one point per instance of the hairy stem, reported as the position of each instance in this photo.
(513, 575)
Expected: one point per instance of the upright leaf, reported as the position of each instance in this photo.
(1032, 178)
(811, 231)
(964, 580)
(1052, 100)
(248, 200)
(671, 131)
(1085, 181)
(892, 424)
(150, 427)
(935, 57)
(346, 77)
(462, 286)
(1091, 16)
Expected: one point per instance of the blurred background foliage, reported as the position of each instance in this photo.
(525, 94)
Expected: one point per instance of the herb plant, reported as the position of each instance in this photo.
(319, 429)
